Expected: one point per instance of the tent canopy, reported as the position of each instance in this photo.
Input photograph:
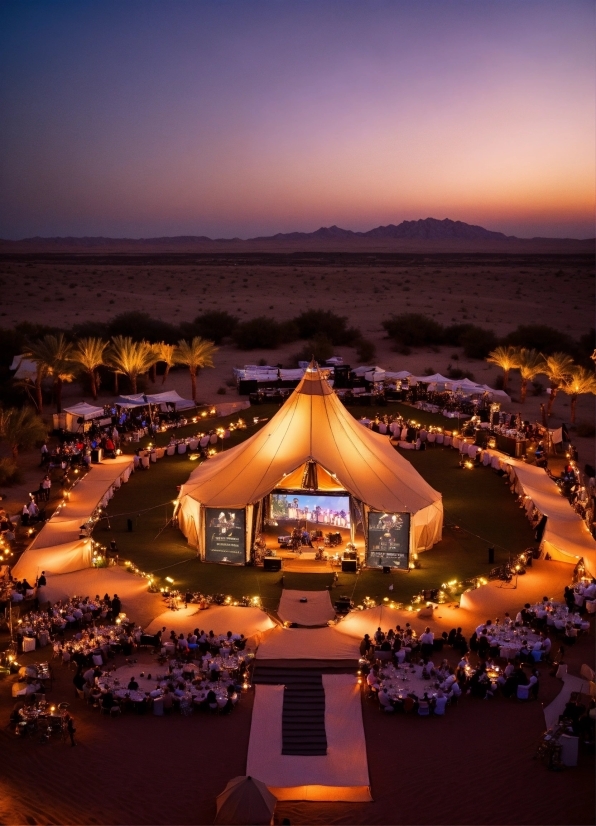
(167, 397)
(245, 801)
(313, 425)
(84, 411)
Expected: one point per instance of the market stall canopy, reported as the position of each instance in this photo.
(362, 371)
(436, 378)
(84, 411)
(314, 426)
(245, 801)
(167, 397)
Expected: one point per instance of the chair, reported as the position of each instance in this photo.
(423, 709)
(104, 710)
(158, 707)
(586, 672)
(182, 447)
(115, 711)
(171, 449)
(537, 656)
(523, 692)
(387, 709)
(80, 693)
(408, 705)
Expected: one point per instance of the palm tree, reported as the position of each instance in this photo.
(165, 353)
(530, 363)
(196, 354)
(558, 367)
(89, 353)
(130, 358)
(21, 427)
(580, 381)
(505, 357)
(53, 356)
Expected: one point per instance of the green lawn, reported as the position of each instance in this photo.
(479, 511)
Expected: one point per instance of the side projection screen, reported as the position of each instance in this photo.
(225, 537)
(388, 540)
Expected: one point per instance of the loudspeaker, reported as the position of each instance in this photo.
(491, 556)
(349, 566)
(272, 563)
(386, 569)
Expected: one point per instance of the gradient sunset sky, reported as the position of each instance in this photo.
(246, 118)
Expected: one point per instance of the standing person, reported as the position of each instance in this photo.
(70, 727)
(45, 454)
(46, 487)
(116, 606)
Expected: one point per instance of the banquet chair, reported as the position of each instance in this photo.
(158, 707)
(171, 449)
(523, 692)
(408, 705)
(423, 709)
(537, 656)
(80, 693)
(115, 711)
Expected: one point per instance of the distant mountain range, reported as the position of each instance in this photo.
(408, 234)
(424, 228)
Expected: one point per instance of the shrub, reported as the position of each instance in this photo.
(142, 326)
(9, 472)
(215, 326)
(540, 337)
(456, 373)
(413, 330)
(320, 348)
(366, 350)
(263, 333)
(312, 323)
(478, 342)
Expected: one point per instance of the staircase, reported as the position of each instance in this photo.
(303, 716)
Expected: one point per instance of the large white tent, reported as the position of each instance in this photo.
(312, 430)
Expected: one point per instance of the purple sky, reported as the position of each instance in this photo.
(247, 118)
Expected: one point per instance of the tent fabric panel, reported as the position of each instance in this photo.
(364, 462)
(316, 610)
(57, 559)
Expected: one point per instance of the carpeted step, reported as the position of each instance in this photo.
(303, 714)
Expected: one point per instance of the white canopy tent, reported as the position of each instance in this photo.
(312, 428)
(83, 411)
(24, 368)
(167, 397)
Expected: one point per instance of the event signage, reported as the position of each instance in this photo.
(225, 537)
(388, 540)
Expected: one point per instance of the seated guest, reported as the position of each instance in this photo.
(168, 701)
(440, 703)
(385, 699)
(107, 700)
(133, 685)
(426, 640)
(365, 645)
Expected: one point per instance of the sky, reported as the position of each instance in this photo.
(238, 119)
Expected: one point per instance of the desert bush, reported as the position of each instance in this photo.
(586, 429)
(456, 373)
(9, 472)
(215, 326)
(320, 348)
(413, 330)
(263, 333)
(142, 326)
(366, 350)
(312, 323)
(478, 342)
(540, 337)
